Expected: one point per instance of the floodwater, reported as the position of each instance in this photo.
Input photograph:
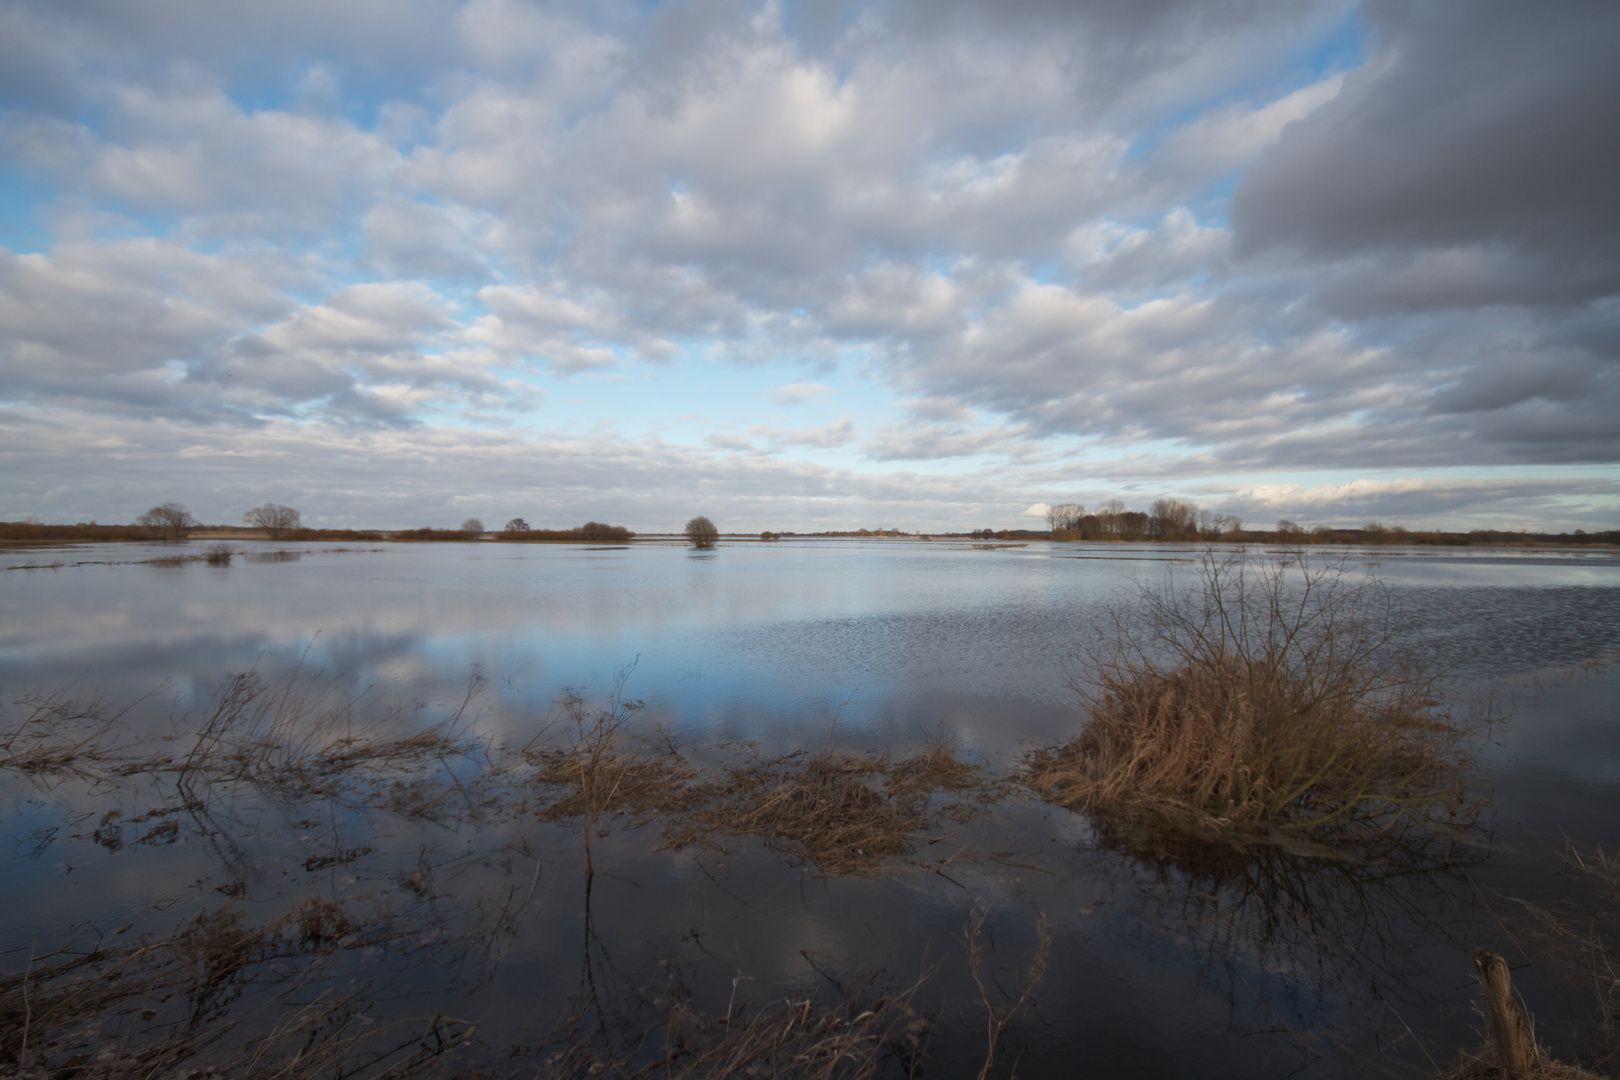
(1157, 966)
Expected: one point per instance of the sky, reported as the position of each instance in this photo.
(917, 264)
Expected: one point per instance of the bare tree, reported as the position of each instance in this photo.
(517, 525)
(273, 518)
(1173, 519)
(473, 525)
(1064, 516)
(1111, 517)
(701, 533)
(171, 521)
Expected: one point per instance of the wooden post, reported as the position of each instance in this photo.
(1511, 1042)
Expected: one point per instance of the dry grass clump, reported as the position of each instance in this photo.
(842, 812)
(825, 810)
(935, 768)
(1262, 700)
(600, 769)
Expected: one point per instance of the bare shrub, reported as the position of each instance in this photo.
(274, 519)
(701, 533)
(171, 521)
(1262, 698)
(219, 554)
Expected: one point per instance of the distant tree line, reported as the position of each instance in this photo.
(592, 532)
(1166, 519)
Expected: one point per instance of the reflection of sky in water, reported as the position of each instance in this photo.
(750, 641)
(762, 641)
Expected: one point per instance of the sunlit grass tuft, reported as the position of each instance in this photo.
(1278, 698)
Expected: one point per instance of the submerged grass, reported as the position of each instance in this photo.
(1261, 702)
(105, 1008)
(851, 1037)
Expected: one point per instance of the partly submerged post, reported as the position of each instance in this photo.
(1512, 1044)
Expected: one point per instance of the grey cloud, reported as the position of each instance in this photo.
(412, 239)
(933, 442)
(1460, 500)
(1472, 127)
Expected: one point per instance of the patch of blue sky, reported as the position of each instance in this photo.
(1344, 47)
(1340, 47)
(24, 202)
(260, 83)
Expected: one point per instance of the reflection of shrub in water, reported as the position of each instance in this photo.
(1269, 908)
(1259, 702)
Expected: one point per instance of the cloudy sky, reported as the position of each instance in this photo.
(918, 263)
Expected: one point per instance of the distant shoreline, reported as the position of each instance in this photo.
(33, 534)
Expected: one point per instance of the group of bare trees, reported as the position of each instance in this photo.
(1166, 519)
(172, 521)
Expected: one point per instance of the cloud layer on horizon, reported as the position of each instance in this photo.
(810, 264)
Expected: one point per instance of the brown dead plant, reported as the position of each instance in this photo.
(308, 735)
(1001, 1007)
(57, 736)
(601, 770)
(829, 810)
(934, 768)
(1269, 699)
(1511, 1051)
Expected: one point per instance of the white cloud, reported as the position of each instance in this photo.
(1010, 222)
(798, 393)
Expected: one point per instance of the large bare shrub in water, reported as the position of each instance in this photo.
(1261, 698)
(702, 533)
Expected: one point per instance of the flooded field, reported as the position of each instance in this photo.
(554, 811)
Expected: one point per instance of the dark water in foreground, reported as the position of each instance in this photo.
(478, 910)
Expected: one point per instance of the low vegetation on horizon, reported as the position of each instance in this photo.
(1167, 520)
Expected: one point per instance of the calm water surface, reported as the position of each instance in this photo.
(1284, 968)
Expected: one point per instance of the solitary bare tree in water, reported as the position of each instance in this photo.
(701, 533)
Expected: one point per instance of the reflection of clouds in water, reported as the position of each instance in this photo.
(912, 635)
